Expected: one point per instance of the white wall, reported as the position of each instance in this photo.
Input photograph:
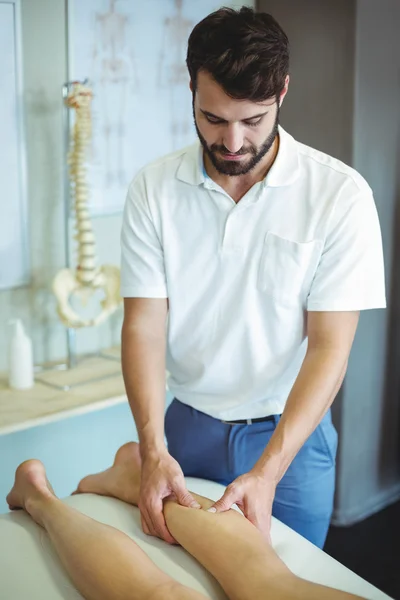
(45, 60)
(344, 99)
(318, 108)
(369, 473)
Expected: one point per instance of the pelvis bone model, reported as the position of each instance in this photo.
(87, 279)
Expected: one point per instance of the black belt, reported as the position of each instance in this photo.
(250, 421)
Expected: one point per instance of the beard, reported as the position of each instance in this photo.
(232, 168)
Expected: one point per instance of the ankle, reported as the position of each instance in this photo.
(37, 504)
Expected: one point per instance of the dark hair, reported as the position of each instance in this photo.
(246, 52)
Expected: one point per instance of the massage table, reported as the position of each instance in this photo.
(30, 569)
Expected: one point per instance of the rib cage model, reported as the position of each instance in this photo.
(87, 278)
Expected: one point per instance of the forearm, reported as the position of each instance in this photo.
(143, 368)
(316, 386)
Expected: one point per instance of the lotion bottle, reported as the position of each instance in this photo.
(20, 358)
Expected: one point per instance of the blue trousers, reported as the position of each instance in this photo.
(210, 449)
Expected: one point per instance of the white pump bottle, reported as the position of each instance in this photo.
(20, 358)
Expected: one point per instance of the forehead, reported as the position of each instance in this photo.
(211, 97)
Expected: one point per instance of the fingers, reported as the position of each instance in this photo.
(226, 501)
(185, 498)
(145, 528)
(153, 522)
(147, 523)
(158, 520)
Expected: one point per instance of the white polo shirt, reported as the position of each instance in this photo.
(240, 277)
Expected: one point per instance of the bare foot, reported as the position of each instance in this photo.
(31, 485)
(121, 481)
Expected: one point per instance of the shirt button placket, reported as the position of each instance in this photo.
(229, 242)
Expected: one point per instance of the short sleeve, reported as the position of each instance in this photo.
(350, 275)
(142, 257)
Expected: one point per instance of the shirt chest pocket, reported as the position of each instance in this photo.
(287, 268)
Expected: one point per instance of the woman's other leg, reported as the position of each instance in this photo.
(235, 552)
(226, 544)
(103, 563)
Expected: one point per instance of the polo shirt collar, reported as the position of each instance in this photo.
(284, 171)
(191, 167)
(286, 168)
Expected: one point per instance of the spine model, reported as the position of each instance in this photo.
(80, 99)
(80, 284)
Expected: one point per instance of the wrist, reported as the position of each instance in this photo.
(152, 449)
(270, 468)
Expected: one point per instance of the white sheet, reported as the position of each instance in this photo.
(30, 570)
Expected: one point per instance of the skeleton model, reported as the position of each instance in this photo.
(113, 68)
(87, 279)
(173, 74)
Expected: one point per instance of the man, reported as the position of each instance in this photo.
(245, 261)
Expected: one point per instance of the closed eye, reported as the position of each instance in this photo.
(215, 121)
(253, 123)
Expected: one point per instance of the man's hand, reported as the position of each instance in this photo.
(161, 476)
(254, 494)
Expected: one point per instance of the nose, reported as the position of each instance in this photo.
(233, 137)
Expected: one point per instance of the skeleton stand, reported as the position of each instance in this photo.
(72, 360)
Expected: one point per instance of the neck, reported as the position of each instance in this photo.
(242, 183)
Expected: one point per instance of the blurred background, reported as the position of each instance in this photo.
(344, 99)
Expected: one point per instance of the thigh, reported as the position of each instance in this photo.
(198, 442)
(304, 497)
(247, 443)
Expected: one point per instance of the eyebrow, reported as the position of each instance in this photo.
(253, 118)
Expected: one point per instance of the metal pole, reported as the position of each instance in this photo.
(71, 345)
(70, 332)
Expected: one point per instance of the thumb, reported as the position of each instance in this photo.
(224, 503)
(185, 498)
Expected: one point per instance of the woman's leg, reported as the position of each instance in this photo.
(103, 563)
(226, 544)
(235, 552)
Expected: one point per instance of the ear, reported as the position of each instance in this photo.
(191, 86)
(284, 91)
